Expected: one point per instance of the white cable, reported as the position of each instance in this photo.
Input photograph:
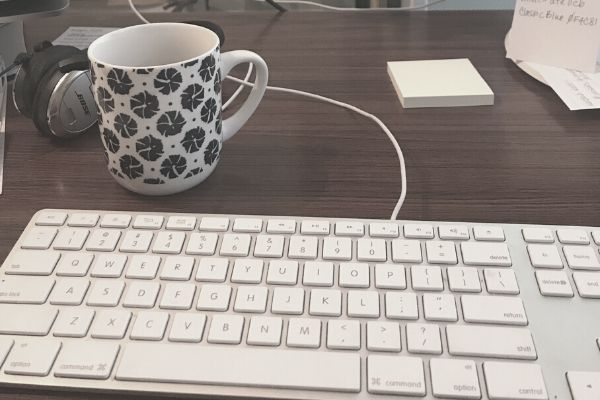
(364, 114)
(239, 89)
(332, 8)
(136, 12)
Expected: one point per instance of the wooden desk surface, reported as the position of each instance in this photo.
(525, 160)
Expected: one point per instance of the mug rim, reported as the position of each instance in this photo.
(108, 36)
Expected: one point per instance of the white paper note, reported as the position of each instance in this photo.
(561, 33)
(578, 90)
(81, 36)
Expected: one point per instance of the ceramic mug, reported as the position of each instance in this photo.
(158, 91)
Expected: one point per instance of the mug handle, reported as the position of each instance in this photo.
(228, 61)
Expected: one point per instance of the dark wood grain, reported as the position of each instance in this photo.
(525, 160)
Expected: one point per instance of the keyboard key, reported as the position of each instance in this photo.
(440, 252)
(318, 274)
(383, 336)
(143, 267)
(214, 224)
(314, 227)
(281, 226)
(371, 250)
(303, 247)
(181, 223)
(486, 254)
(544, 256)
(187, 327)
(363, 304)
(86, 220)
(148, 221)
(304, 332)
(103, 240)
(406, 251)
(136, 241)
(401, 305)
(282, 272)
(25, 262)
(149, 325)
(538, 235)
(110, 324)
(32, 357)
(265, 331)
(336, 248)
(88, 360)
(106, 293)
(73, 322)
(349, 228)
(418, 231)
(288, 301)
(464, 279)
(488, 233)
(583, 385)
(439, 307)
(573, 236)
(395, 375)
(70, 239)
(520, 381)
(493, 310)
(235, 244)
(50, 218)
(115, 221)
(141, 294)
(247, 271)
(354, 275)
(579, 257)
(261, 367)
(214, 297)
(247, 225)
(25, 289)
(487, 341)
(588, 284)
(226, 329)
(423, 338)
(269, 246)
(178, 296)
(204, 244)
(390, 276)
(74, 264)
(325, 302)
(168, 242)
(596, 236)
(39, 238)
(109, 265)
(212, 269)
(554, 283)
(343, 335)
(427, 278)
(454, 232)
(251, 299)
(384, 230)
(456, 379)
(69, 291)
(500, 281)
(177, 268)
(5, 346)
(26, 320)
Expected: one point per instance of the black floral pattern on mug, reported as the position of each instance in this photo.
(154, 181)
(190, 63)
(131, 166)
(119, 81)
(144, 105)
(105, 100)
(167, 80)
(219, 123)
(217, 83)
(173, 166)
(149, 148)
(192, 97)
(125, 125)
(170, 123)
(212, 152)
(193, 172)
(144, 71)
(208, 111)
(193, 140)
(207, 68)
(111, 141)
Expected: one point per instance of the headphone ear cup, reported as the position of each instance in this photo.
(42, 99)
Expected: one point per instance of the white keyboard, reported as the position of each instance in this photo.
(301, 308)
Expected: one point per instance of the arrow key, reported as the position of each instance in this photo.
(383, 336)
(584, 385)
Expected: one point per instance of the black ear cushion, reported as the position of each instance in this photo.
(32, 72)
(42, 98)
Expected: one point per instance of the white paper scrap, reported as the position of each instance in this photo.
(81, 36)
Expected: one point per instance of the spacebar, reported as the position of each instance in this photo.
(288, 369)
